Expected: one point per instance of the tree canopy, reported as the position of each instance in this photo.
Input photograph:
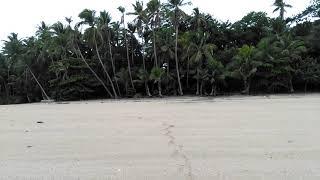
(163, 52)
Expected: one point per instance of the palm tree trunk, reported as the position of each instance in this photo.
(128, 57)
(147, 89)
(177, 63)
(43, 91)
(132, 49)
(201, 88)
(159, 88)
(305, 86)
(156, 59)
(7, 93)
(105, 70)
(198, 83)
(291, 86)
(247, 84)
(144, 69)
(188, 69)
(213, 90)
(94, 73)
(154, 48)
(282, 10)
(112, 64)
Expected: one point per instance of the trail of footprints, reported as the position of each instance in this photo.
(178, 151)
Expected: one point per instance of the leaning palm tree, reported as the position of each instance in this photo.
(103, 26)
(281, 7)
(88, 18)
(175, 6)
(39, 84)
(122, 11)
(73, 38)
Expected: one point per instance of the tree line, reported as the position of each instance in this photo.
(163, 51)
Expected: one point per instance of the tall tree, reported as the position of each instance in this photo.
(88, 18)
(122, 11)
(141, 22)
(202, 54)
(175, 6)
(281, 7)
(288, 59)
(153, 8)
(103, 24)
(153, 13)
(74, 41)
(245, 66)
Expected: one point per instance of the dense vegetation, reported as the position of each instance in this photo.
(164, 51)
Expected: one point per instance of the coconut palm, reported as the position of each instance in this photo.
(156, 75)
(179, 53)
(132, 28)
(141, 23)
(245, 66)
(88, 18)
(198, 20)
(202, 54)
(288, 59)
(74, 41)
(122, 10)
(175, 6)
(103, 26)
(281, 7)
(153, 9)
(140, 15)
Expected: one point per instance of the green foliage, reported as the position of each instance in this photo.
(156, 74)
(163, 51)
(281, 6)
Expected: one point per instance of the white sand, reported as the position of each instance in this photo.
(234, 138)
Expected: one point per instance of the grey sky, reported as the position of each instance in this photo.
(23, 16)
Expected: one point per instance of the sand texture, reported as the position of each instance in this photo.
(189, 138)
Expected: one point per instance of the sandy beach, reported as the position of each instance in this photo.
(189, 138)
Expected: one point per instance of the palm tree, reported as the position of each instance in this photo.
(217, 73)
(103, 25)
(281, 7)
(153, 8)
(245, 66)
(12, 49)
(15, 51)
(74, 40)
(39, 84)
(140, 15)
(122, 11)
(88, 18)
(288, 58)
(3, 77)
(132, 28)
(201, 52)
(141, 21)
(175, 5)
(198, 20)
(156, 75)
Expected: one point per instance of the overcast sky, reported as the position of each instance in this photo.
(23, 16)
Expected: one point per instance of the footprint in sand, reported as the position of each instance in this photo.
(178, 152)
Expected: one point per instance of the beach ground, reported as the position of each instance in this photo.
(189, 138)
